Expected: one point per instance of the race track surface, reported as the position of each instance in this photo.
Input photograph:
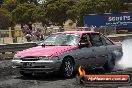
(10, 78)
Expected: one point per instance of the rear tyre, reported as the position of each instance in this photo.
(25, 74)
(67, 67)
(109, 65)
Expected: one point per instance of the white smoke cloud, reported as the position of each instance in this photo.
(126, 61)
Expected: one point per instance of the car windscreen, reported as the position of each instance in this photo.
(66, 39)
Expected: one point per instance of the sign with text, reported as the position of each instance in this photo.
(120, 20)
(82, 78)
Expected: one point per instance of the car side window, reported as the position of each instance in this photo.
(106, 41)
(96, 40)
(86, 39)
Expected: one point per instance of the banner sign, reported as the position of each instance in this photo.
(120, 20)
(83, 78)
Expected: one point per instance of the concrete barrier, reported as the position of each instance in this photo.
(15, 47)
(8, 50)
(1, 40)
(21, 40)
(8, 40)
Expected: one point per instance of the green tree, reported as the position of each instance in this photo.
(24, 13)
(86, 7)
(116, 6)
(40, 16)
(10, 5)
(29, 1)
(1, 1)
(58, 11)
(5, 19)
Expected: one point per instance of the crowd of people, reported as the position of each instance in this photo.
(32, 33)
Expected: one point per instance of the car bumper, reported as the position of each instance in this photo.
(36, 66)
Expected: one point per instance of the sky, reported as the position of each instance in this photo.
(41, 1)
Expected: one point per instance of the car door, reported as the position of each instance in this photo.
(111, 48)
(85, 53)
(99, 50)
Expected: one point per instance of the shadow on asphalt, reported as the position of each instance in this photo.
(43, 77)
(95, 71)
(55, 77)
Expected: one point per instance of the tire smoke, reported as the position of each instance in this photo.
(126, 60)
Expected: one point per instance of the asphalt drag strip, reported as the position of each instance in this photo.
(10, 78)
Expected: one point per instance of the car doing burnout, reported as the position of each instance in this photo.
(64, 52)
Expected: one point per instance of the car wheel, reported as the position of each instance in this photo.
(67, 67)
(109, 65)
(25, 74)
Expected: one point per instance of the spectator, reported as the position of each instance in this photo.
(92, 28)
(34, 30)
(50, 32)
(27, 33)
(26, 30)
(30, 26)
(38, 34)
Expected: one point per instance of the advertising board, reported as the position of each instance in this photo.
(119, 20)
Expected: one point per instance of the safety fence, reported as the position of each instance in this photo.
(120, 37)
(8, 50)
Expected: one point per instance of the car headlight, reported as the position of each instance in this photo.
(52, 58)
(17, 58)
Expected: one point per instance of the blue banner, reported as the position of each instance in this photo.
(120, 20)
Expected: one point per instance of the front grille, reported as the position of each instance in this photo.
(30, 58)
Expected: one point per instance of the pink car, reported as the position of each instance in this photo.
(64, 52)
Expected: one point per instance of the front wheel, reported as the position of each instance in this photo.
(67, 67)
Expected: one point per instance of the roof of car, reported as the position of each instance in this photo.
(78, 32)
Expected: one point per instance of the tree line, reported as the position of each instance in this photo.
(56, 12)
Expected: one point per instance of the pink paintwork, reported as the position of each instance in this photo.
(117, 43)
(77, 32)
(50, 50)
(45, 51)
